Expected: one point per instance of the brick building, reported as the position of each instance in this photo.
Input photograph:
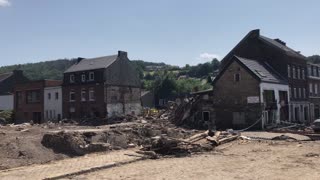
(29, 100)
(286, 62)
(101, 87)
(314, 89)
(244, 90)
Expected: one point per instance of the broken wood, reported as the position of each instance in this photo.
(197, 137)
(228, 139)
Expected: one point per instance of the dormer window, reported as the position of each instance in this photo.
(72, 78)
(91, 76)
(83, 78)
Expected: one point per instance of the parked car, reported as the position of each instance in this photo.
(316, 125)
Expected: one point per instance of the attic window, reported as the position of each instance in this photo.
(236, 77)
(71, 78)
(91, 76)
(261, 73)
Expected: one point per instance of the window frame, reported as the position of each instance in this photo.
(72, 78)
(92, 94)
(72, 92)
(91, 76)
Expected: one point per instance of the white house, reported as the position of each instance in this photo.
(6, 102)
(53, 103)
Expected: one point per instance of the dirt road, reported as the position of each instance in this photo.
(251, 160)
(236, 160)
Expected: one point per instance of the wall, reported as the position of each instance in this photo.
(276, 88)
(53, 106)
(122, 100)
(6, 102)
(84, 109)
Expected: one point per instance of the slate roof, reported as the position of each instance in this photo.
(5, 76)
(262, 70)
(280, 46)
(93, 63)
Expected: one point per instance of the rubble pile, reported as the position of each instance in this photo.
(205, 141)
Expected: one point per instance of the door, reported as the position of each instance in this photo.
(36, 117)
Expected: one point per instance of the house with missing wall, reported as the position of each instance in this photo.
(39, 101)
(245, 89)
(101, 87)
(286, 63)
(7, 82)
(313, 77)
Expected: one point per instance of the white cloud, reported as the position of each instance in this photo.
(208, 56)
(4, 3)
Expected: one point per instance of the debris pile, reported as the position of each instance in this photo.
(205, 141)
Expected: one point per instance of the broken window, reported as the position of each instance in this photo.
(91, 76)
(71, 78)
(237, 77)
(72, 96)
(91, 94)
(83, 78)
(205, 115)
(269, 99)
(33, 96)
(83, 95)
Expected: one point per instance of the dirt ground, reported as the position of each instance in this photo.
(236, 160)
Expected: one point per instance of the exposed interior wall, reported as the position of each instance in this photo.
(122, 100)
(6, 102)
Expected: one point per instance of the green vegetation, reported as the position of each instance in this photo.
(6, 116)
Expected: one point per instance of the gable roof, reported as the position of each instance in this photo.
(5, 76)
(262, 70)
(259, 69)
(281, 46)
(270, 42)
(93, 63)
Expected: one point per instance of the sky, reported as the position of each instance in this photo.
(176, 32)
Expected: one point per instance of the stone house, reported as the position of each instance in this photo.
(101, 87)
(288, 63)
(7, 82)
(247, 90)
(30, 98)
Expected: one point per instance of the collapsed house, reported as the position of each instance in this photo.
(101, 87)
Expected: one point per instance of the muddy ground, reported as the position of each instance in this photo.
(235, 160)
(27, 144)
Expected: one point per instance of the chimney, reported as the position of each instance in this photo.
(256, 32)
(17, 72)
(280, 41)
(122, 54)
(79, 59)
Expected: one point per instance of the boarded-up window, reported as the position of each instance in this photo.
(238, 118)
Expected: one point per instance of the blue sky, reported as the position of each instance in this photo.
(171, 31)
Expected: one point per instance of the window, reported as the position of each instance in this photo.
(83, 95)
(318, 71)
(290, 93)
(310, 89)
(71, 78)
(72, 95)
(300, 94)
(49, 96)
(289, 71)
(237, 77)
(57, 95)
(314, 71)
(19, 97)
(315, 89)
(33, 96)
(293, 72)
(298, 72)
(304, 93)
(294, 92)
(91, 76)
(309, 71)
(83, 78)
(91, 94)
(303, 73)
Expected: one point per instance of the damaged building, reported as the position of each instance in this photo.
(284, 98)
(101, 87)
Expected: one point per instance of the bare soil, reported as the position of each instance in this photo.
(235, 160)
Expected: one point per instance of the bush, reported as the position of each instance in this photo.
(7, 116)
